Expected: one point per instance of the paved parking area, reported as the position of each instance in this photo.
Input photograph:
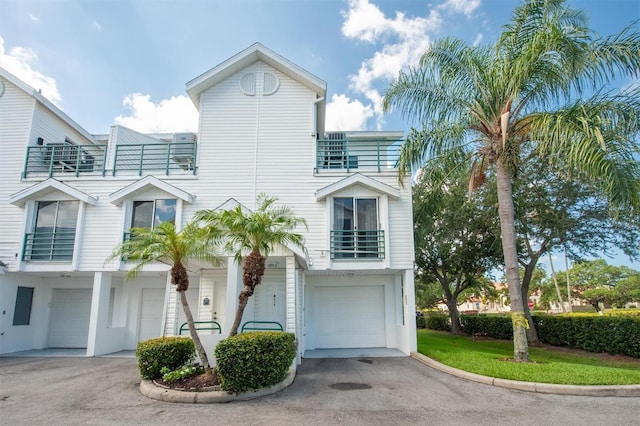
(365, 391)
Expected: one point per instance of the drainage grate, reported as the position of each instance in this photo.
(349, 386)
(366, 361)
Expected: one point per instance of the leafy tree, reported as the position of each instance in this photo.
(533, 86)
(428, 293)
(252, 235)
(164, 244)
(454, 239)
(597, 297)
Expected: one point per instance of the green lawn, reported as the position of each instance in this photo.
(490, 358)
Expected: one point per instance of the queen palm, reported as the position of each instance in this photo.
(544, 82)
(164, 244)
(253, 234)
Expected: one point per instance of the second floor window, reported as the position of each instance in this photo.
(355, 232)
(54, 231)
(148, 214)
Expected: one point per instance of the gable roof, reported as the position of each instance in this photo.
(145, 184)
(46, 187)
(255, 52)
(45, 103)
(358, 179)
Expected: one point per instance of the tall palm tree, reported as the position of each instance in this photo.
(164, 244)
(257, 233)
(545, 82)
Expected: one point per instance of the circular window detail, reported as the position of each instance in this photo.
(248, 84)
(271, 83)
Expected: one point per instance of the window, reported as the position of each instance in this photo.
(355, 232)
(22, 312)
(54, 231)
(148, 214)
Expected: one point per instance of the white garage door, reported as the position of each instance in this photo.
(350, 317)
(151, 309)
(70, 311)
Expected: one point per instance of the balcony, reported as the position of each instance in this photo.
(357, 244)
(165, 157)
(59, 159)
(56, 246)
(355, 155)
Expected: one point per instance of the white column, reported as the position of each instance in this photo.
(291, 294)
(234, 281)
(98, 319)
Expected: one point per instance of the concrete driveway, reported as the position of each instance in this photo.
(370, 391)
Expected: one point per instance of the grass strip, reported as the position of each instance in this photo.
(493, 358)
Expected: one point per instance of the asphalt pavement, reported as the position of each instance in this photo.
(356, 391)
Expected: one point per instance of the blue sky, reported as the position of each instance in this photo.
(127, 62)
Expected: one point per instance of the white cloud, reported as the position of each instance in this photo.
(403, 40)
(96, 26)
(20, 61)
(346, 114)
(34, 18)
(478, 39)
(176, 114)
(461, 6)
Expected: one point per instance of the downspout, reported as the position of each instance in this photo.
(255, 164)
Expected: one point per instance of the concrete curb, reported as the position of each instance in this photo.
(150, 390)
(608, 390)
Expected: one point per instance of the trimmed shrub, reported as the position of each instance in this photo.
(169, 352)
(438, 321)
(611, 334)
(254, 360)
(421, 322)
(497, 327)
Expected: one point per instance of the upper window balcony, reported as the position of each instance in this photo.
(167, 158)
(60, 159)
(358, 152)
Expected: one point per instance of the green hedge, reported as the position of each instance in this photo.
(170, 352)
(611, 334)
(593, 333)
(254, 360)
(438, 321)
(497, 327)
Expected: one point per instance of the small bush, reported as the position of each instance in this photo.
(421, 322)
(254, 360)
(438, 321)
(183, 372)
(169, 352)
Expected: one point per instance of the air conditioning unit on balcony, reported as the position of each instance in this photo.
(61, 153)
(183, 149)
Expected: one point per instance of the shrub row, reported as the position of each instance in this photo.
(254, 360)
(611, 334)
(168, 352)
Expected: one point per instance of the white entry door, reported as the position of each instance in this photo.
(350, 317)
(70, 311)
(270, 302)
(151, 307)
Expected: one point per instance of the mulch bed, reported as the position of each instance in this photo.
(199, 383)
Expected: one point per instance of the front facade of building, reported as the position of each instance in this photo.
(69, 197)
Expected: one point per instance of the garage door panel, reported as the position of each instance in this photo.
(70, 312)
(350, 317)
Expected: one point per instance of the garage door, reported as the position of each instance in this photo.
(70, 311)
(350, 317)
(151, 309)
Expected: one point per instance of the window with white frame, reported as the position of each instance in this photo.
(355, 232)
(149, 214)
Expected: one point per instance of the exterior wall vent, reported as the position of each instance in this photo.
(271, 83)
(248, 84)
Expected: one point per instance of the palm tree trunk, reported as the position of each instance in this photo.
(532, 333)
(252, 273)
(509, 249)
(194, 335)
(555, 281)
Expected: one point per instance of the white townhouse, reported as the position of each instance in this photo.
(67, 198)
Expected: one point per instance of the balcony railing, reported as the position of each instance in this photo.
(355, 155)
(64, 159)
(357, 244)
(49, 246)
(166, 157)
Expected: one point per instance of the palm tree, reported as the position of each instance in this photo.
(257, 233)
(542, 82)
(164, 244)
